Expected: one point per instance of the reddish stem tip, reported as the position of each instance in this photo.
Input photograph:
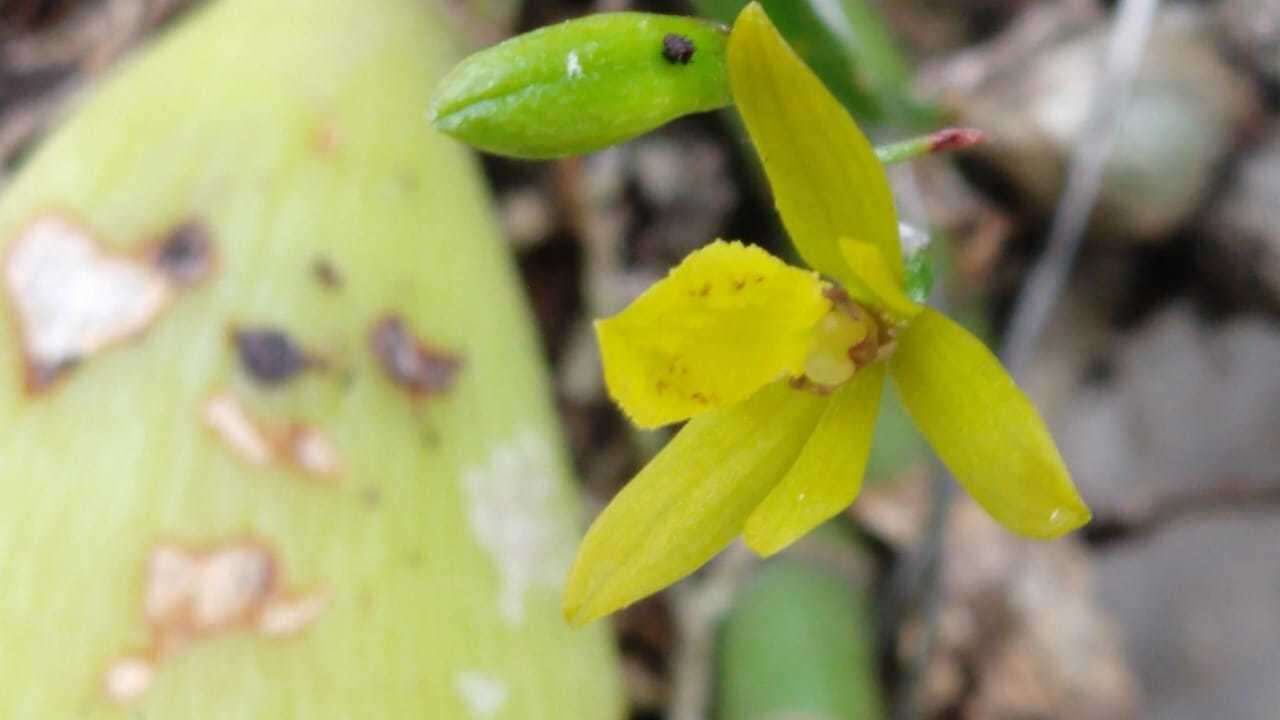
(952, 139)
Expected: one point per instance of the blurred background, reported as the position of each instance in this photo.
(1157, 364)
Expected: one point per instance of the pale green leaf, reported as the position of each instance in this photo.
(289, 136)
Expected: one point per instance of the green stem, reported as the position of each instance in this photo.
(799, 641)
(948, 140)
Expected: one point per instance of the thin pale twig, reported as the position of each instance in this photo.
(1048, 277)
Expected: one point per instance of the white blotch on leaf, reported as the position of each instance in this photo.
(573, 66)
(73, 299)
(484, 694)
(190, 593)
(128, 678)
(260, 444)
(286, 616)
(230, 585)
(313, 452)
(511, 508)
(194, 594)
(227, 417)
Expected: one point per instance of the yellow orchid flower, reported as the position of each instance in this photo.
(779, 372)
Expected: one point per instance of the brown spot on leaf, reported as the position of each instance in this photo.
(419, 368)
(326, 273)
(324, 139)
(292, 445)
(72, 298)
(269, 355)
(192, 594)
(185, 254)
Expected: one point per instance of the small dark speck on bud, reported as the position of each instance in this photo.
(677, 49)
(269, 356)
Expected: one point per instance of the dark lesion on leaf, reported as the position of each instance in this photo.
(269, 355)
(185, 254)
(41, 377)
(417, 367)
(326, 273)
(678, 49)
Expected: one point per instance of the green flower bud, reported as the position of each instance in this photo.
(585, 84)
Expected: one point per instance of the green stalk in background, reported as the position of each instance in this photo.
(797, 644)
(276, 440)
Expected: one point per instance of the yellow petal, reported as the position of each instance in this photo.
(825, 177)
(875, 280)
(690, 501)
(985, 430)
(827, 475)
(727, 321)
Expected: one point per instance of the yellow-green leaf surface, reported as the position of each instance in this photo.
(725, 322)
(826, 179)
(293, 132)
(877, 280)
(690, 501)
(827, 475)
(984, 429)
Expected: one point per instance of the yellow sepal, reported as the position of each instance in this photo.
(826, 179)
(690, 501)
(725, 322)
(876, 283)
(827, 475)
(984, 429)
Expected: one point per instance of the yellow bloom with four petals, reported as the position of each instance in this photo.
(779, 371)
